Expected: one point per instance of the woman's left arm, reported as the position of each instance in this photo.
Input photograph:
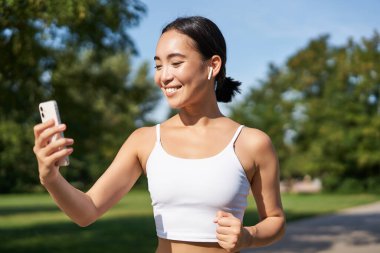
(266, 191)
(265, 187)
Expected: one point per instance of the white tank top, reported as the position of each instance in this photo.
(187, 193)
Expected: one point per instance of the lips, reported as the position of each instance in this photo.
(172, 89)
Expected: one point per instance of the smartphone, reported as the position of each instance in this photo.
(49, 110)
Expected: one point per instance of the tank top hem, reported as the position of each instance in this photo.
(187, 238)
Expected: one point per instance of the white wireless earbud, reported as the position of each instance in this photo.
(209, 74)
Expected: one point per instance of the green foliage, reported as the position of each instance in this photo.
(16, 164)
(349, 185)
(373, 184)
(322, 110)
(78, 53)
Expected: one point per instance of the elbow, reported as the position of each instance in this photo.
(281, 232)
(88, 215)
(84, 223)
(276, 234)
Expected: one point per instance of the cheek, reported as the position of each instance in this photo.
(185, 75)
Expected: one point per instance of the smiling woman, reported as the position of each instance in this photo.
(180, 70)
(201, 166)
(190, 70)
(175, 60)
(205, 39)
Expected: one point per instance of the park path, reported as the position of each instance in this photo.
(352, 230)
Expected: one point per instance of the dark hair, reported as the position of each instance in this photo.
(209, 41)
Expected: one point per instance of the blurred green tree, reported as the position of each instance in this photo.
(322, 110)
(77, 52)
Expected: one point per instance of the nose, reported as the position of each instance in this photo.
(166, 76)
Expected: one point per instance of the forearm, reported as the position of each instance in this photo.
(74, 203)
(265, 232)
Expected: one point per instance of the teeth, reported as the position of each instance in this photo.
(171, 90)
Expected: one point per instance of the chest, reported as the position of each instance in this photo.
(213, 181)
(190, 146)
(194, 145)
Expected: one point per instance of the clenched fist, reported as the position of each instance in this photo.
(230, 233)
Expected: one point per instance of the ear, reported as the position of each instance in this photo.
(216, 64)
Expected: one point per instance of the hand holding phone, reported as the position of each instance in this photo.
(49, 110)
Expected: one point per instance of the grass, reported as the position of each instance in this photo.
(32, 222)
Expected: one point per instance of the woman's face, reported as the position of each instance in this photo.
(181, 72)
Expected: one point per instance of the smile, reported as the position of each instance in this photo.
(171, 90)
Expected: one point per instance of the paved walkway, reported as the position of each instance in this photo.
(353, 230)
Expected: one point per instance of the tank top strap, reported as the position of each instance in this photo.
(236, 135)
(158, 136)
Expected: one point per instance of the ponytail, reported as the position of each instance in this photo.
(226, 87)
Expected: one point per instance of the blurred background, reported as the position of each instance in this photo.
(310, 73)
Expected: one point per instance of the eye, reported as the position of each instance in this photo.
(177, 64)
(158, 67)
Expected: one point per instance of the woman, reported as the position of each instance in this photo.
(200, 164)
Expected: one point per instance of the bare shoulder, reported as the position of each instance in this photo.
(142, 135)
(142, 140)
(257, 142)
(143, 132)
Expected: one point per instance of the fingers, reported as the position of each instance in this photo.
(220, 214)
(48, 157)
(50, 152)
(54, 151)
(227, 239)
(228, 222)
(57, 145)
(55, 157)
(48, 167)
(46, 134)
(228, 231)
(39, 128)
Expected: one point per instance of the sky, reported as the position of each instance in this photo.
(259, 32)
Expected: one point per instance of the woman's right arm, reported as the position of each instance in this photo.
(84, 208)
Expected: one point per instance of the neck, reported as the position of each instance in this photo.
(201, 113)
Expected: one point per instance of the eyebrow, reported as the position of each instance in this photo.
(170, 56)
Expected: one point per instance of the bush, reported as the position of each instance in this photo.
(330, 183)
(373, 184)
(352, 185)
(335, 184)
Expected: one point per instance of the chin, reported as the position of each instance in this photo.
(175, 106)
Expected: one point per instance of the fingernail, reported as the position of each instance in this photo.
(61, 126)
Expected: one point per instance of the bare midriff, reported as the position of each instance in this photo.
(171, 246)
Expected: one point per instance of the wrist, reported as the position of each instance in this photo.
(249, 236)
(49, 178)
